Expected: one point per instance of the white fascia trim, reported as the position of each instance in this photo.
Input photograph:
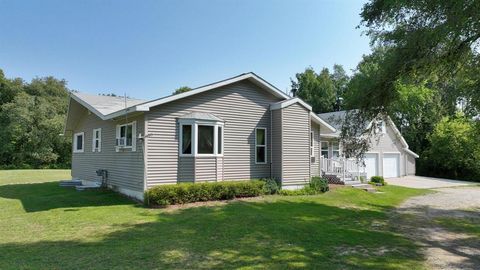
(276, 92)
(408, 151)
(319, 120)
(144, 107)
(330, 135)
(88, 106)
(286, 103)
(108, 116)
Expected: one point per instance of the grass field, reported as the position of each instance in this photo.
(43, 226)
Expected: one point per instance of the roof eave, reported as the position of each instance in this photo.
(319, 120)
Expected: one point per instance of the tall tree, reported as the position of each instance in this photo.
(321, 90)
(423, 37)
(32, 116)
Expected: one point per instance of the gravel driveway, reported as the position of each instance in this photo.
(414, 181)
(444, 247)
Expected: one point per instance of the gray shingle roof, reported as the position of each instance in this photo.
(335, 119)
(107, 104)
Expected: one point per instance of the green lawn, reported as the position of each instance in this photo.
(43, 226)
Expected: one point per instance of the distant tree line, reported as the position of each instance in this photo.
(32, 117)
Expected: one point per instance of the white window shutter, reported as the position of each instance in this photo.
(134, 136)
(117, 138)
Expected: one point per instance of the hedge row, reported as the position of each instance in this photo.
(189, 192)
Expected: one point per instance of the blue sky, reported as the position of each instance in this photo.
(149, 48)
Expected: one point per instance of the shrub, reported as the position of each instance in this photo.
(189, 192)
(377, 180)
(316, 185)
(319, 184)
(271, 185)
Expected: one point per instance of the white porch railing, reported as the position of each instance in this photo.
(345, 169)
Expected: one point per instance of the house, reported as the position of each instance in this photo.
(388, 156)
(236, 129)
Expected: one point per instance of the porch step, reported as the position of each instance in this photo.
(366, 187)
(85, 187)
(70, 183)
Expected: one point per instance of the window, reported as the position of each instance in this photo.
(324, 146)
(381, 127)
(78, 142)
(97, 140)
(335, 150)
(205, 139)
(261, 145)
(312, 150)
(197, 139)
(126, 136)
(186, 139)
(220, 140)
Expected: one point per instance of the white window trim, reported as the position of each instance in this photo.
(99, 149)
(195, 123)
(133, 147)
(75, 142)
(256, 145)
(312, 144)
(328, 148)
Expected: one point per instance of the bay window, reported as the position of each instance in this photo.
(200, 138)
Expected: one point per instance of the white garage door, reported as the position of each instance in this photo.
(371, 165)
(391, 165)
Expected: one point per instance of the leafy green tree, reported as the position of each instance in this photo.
(32, 116)
(182, 89)
(423, 37)
(319, 90)
(454, 150)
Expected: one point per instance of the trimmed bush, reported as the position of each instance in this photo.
(319, 184)
(271, 185)
(189, 192)
(315, 186)
(377, 180)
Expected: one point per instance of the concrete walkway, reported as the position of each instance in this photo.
(427, 182)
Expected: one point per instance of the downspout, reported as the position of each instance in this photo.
(271, 143)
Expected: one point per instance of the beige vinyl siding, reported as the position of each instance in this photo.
(186, 169)
(125, 168)
(315, 161)
(410, 164)
(205, 169)
(388, 143)
(243, 107)
(276, 145)
(295, 145)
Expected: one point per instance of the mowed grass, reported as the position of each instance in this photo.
(43, 226)
(32, 176)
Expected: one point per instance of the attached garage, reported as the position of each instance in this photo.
(371, 164)
(391, 165)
